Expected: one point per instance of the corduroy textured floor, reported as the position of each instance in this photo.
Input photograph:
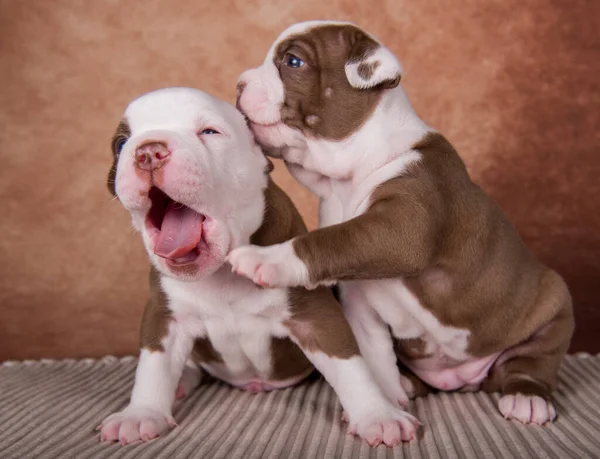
(49, 409)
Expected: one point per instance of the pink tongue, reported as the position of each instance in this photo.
(180, 232)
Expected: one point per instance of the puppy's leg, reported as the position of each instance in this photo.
(376, 346)
(149, 411)
(318, 326)
(190, 379)
(353, 250)
(528, 373)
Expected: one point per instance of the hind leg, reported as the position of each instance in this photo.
(527, 374)
(190, 379)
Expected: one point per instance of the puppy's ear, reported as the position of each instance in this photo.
(371, 64)
(121, 136)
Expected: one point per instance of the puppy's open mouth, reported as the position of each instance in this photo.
(175, 229)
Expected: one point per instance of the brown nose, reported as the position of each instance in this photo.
(152, 155)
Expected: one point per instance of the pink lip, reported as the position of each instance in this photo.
(266, 125)
(175, 256)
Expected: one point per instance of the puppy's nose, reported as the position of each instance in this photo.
(152, 155)
(239, 90)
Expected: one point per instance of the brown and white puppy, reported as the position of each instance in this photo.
(196, 184)
(417, 248)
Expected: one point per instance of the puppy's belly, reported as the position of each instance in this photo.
(250, 381)
(444, 373)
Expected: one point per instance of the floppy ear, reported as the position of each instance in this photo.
(371, 64)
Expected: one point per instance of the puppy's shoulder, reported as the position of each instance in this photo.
(437, 175)
(281, 221)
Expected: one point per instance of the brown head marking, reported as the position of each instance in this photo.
(318, 98)
(121, 136)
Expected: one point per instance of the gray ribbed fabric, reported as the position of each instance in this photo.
(49, 409)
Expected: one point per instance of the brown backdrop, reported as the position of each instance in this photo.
(514, 87)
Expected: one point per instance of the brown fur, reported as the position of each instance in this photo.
(204, 351)
(156, 318)
(414, 348)
(366, 71)
(325, 50)
(317, 322)
(460, 256)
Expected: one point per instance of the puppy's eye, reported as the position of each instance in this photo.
(293, 61)
(209, 131)
(120, 144)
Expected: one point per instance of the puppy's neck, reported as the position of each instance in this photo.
(387, 135)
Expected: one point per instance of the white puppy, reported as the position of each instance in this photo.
(188, 170)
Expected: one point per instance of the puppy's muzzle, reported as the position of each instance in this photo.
(152, 155)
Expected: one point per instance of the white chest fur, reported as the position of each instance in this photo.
(349, 198)
(390, 298)
(237, 317)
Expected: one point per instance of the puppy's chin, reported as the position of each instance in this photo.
(276, 139)
(188, 272)
(209, 259)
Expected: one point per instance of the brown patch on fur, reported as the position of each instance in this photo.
(317, 321)
(366, 71)
(184, 270)
(122, 134)
(156, 318)
(442, 226)
(325, 51)
(287, 359)
(204, 351)
(414, 348)
(281, 222)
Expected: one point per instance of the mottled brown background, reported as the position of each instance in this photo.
(514, 85)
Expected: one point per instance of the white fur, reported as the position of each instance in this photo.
(412, 320)
(374, 341)
(220, 176)
(367, 412)
(273, 266)
(388, 68)
(149, 411)
(237, 317)
(527, 409)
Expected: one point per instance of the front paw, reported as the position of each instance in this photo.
(528, 409)
(385, 424)
(274, 266)
(133, 424)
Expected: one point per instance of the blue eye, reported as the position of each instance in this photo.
(294, 61)
(209, 131)
(120, 144)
